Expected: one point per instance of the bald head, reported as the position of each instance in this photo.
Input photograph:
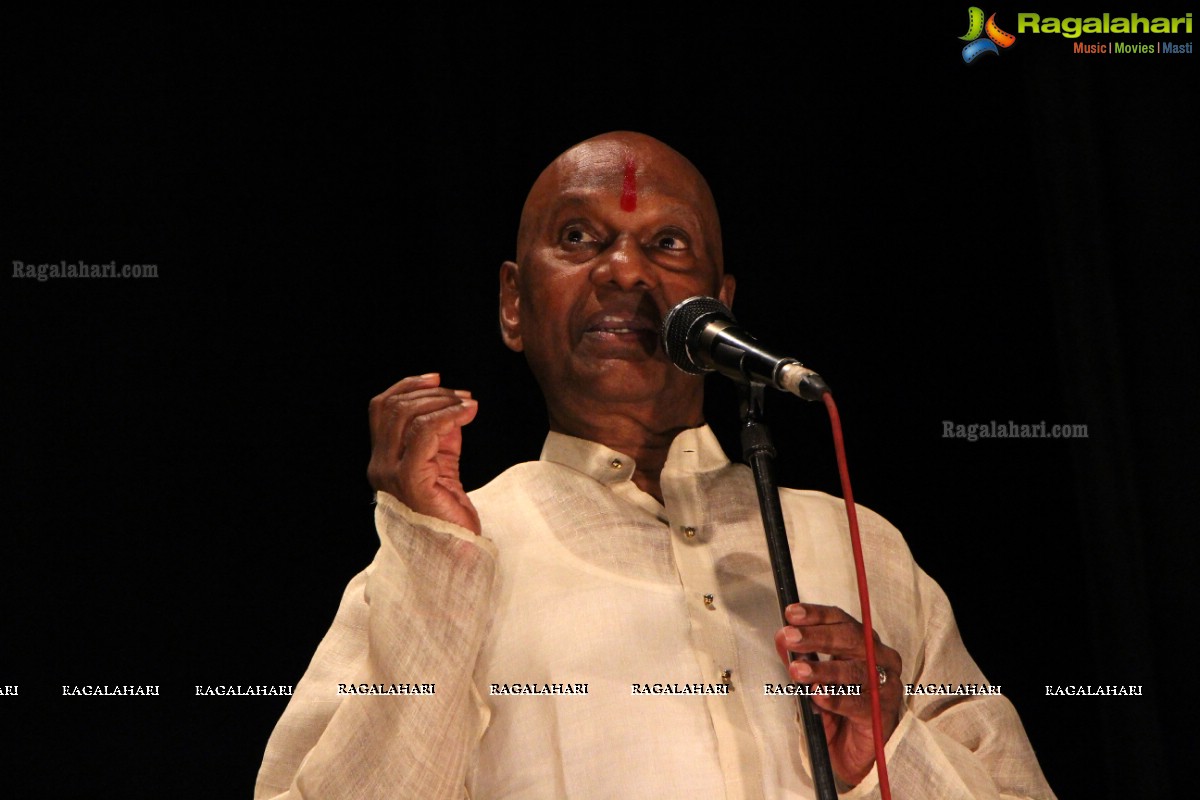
(628, 166)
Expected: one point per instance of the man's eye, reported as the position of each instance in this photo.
(671, 242)
(578, 236)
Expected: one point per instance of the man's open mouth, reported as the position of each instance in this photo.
(631, 327)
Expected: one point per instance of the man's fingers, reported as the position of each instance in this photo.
(835, 674)
(405, 412)
(411, 383)
(846, 673)
(400, 399)
(841, 673)
(388, 410)
(829, 630)
(825, 629)
(390, 402)
(841, 640)
(784, 641)
(418, 384)
(422, 438)
(847, 718)
(813, 614)
(447, 461)
(854, 673)
(844, 705)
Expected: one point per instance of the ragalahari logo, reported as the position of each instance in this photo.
(996, 38)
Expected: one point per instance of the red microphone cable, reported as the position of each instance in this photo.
(864, 599)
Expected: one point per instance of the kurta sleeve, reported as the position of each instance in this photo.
(416, 615)
(954, 746)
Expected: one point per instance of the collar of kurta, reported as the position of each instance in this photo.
(695, 450)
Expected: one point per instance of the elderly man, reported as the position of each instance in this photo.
(602, 622)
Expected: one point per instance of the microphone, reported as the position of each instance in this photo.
(701, 335)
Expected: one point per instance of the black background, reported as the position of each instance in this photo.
(328, 199)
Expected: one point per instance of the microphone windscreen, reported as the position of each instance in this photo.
(680, 323)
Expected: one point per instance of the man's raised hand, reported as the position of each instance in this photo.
(416, 441)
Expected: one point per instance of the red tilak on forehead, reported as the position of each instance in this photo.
(629, 187)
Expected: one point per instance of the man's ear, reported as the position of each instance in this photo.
(510, 306)
(728, 284)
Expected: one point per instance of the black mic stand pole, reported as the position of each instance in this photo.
(759, 453)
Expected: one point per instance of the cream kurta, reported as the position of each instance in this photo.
(582, 578)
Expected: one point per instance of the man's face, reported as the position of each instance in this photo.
(617, 231)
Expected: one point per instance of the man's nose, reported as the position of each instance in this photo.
(626, 265)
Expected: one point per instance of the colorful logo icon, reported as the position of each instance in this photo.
(976, 27)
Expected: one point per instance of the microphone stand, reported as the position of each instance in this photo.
(759, 453)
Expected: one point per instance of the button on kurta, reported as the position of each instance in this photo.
(689, 532)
